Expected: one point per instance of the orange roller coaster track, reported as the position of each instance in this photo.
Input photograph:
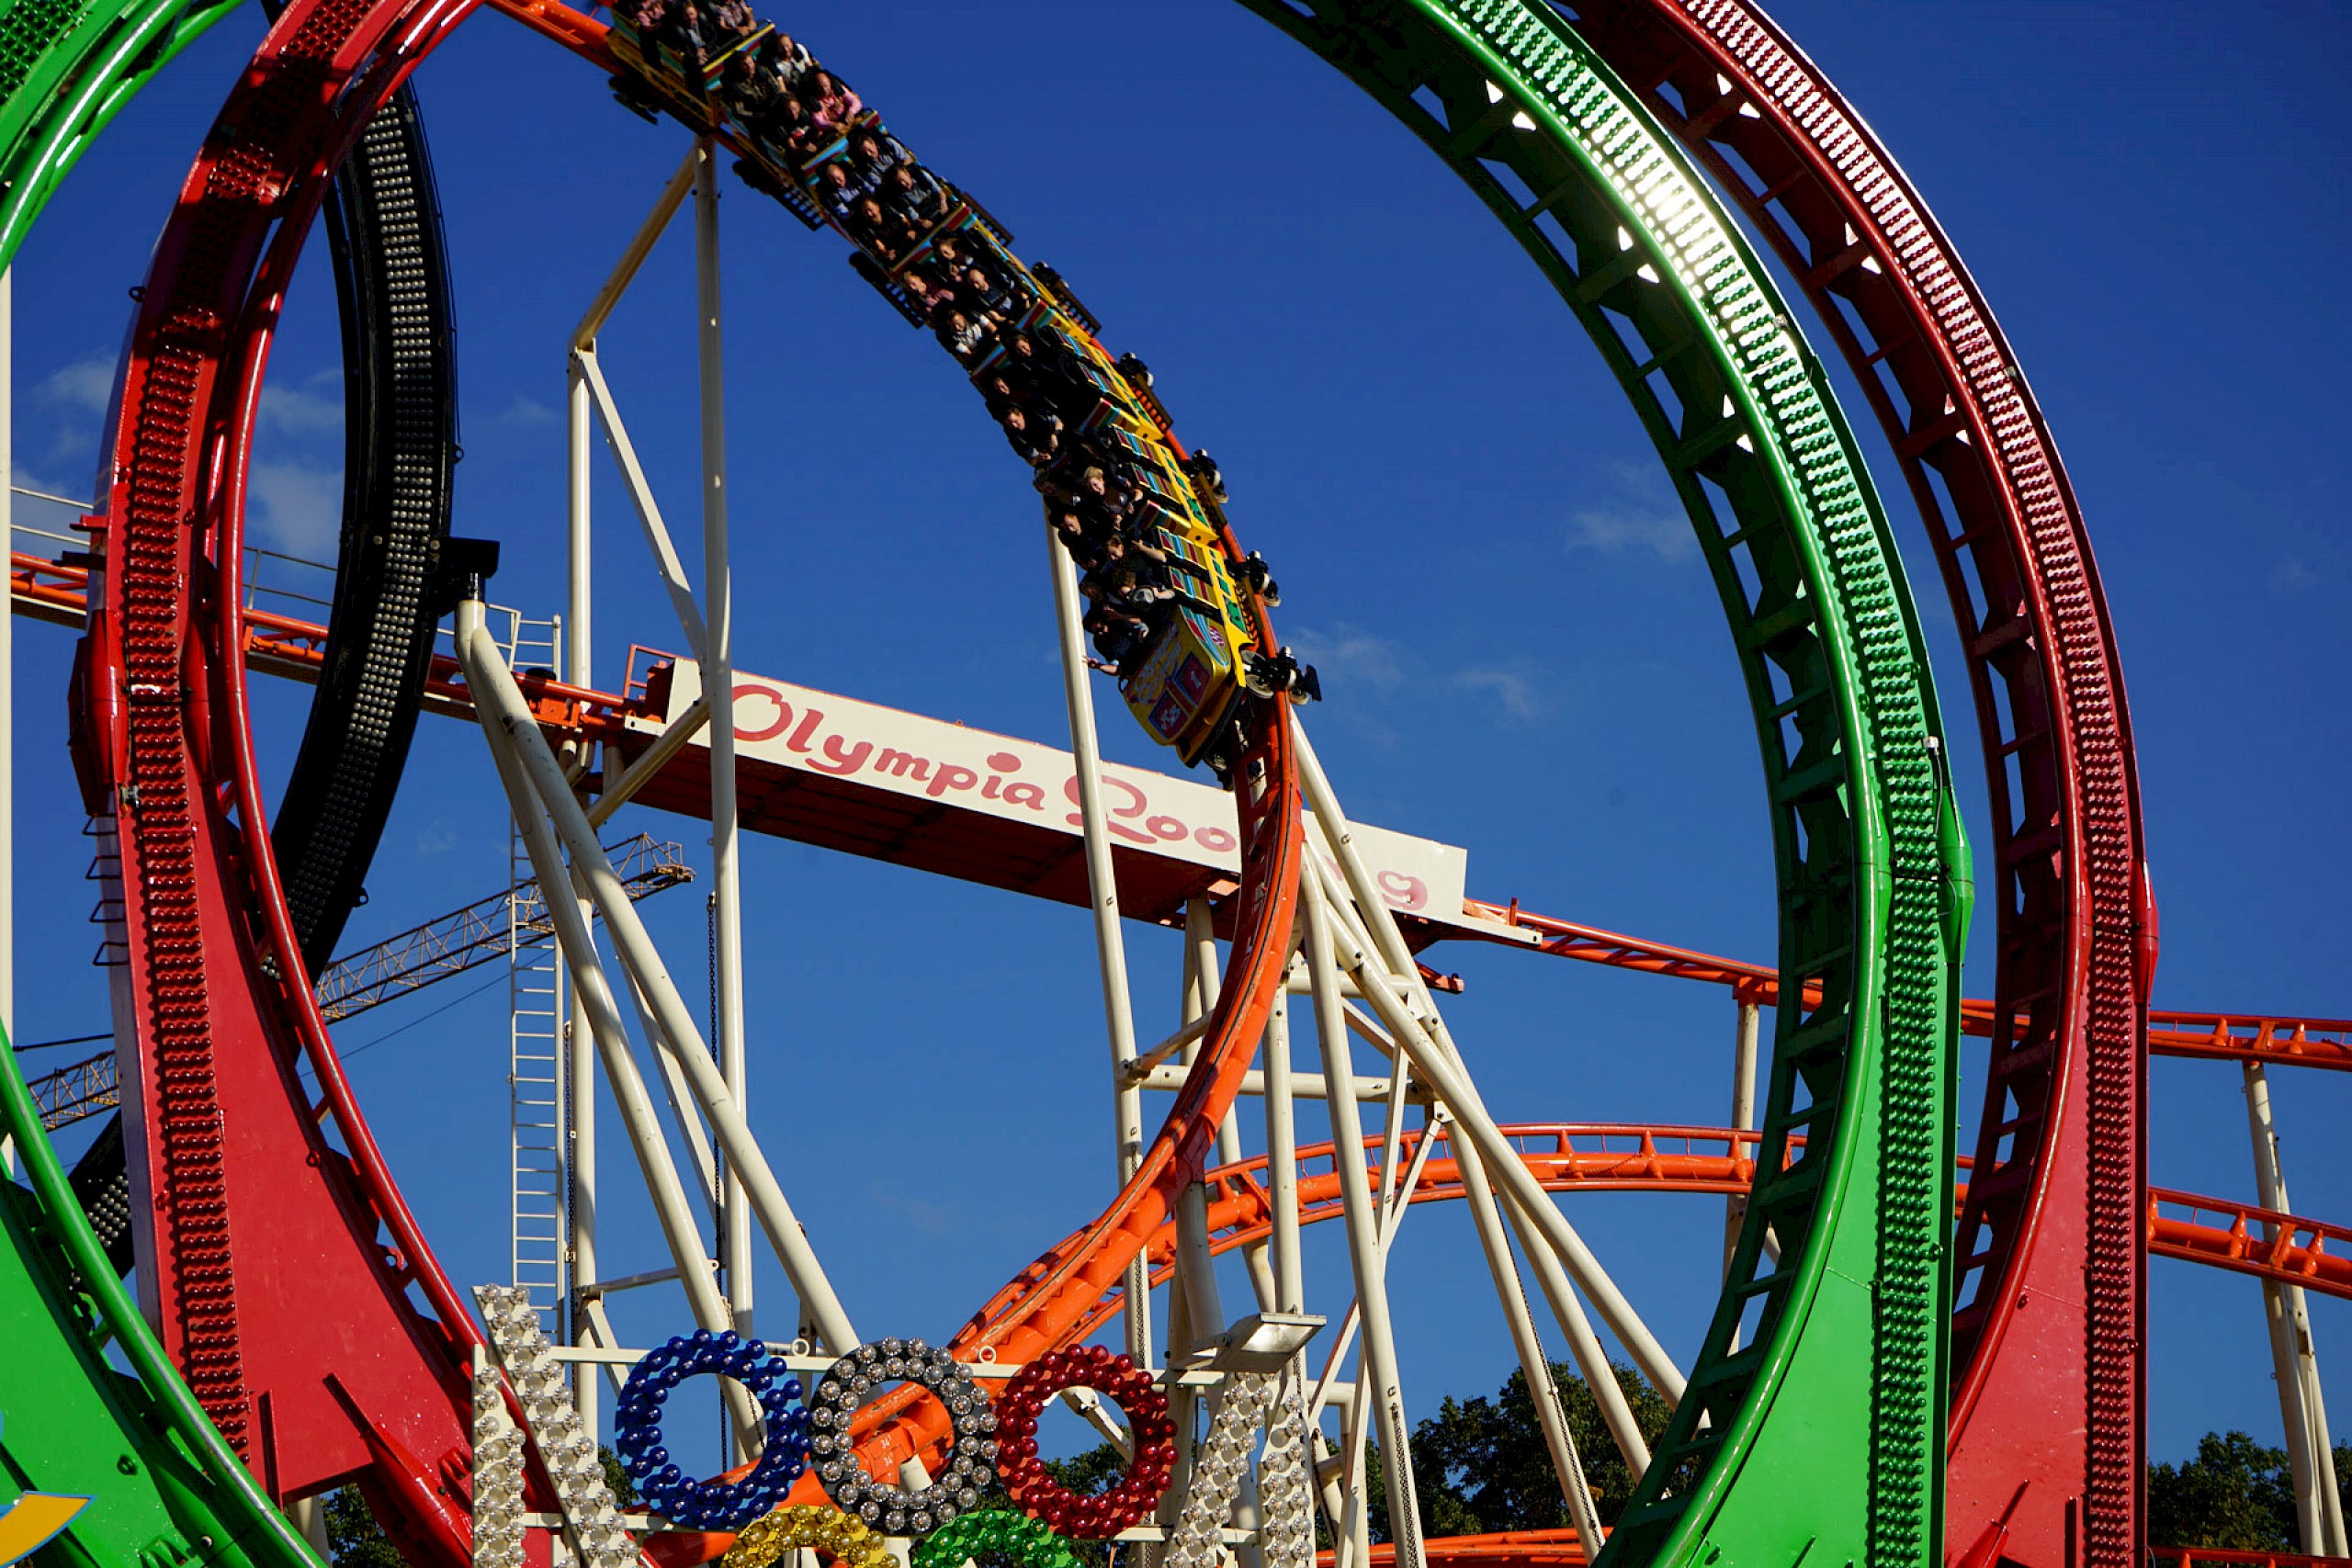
(1584, 1156)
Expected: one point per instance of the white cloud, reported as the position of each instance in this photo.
(1517, 692)
(1620, 530)
(85, 386)
(310, 408)
(1361, 659)
(1643, 516)
(527, 413)
(300, 509)
(2292, 576)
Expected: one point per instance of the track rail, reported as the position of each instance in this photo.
(164, 1480)
(2051, 1423)
(1604, 1156)
(347, 1375)
(901, 1426)
(218, 1004)
(1825, 1434)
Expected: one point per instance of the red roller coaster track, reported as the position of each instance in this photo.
(214, 999)
(2048, 1391)
(342, 1371)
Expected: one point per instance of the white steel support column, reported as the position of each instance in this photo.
(1742, 1116)
(1378, 1375)
(500, 702)
(581, 383)
(718, 685)
(1281, 1161)
(580, 1063)
(1110, 942)
(1419, 1034)
(2319, 1507)
(589, 985)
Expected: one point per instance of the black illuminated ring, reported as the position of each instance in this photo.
(892, 1508)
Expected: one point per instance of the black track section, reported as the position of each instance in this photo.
(399, 396)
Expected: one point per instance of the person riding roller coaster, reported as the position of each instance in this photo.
(981, 304)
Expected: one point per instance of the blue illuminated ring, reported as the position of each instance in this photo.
(670, 1492)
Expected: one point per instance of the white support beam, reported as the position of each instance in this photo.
(572, 934)
(1419, 1033)
(1745, 1038)
(500, 704)
(1365, 1256)
(1278, 1086)
(640, 245)
(666, 564)
(1110, 942)
(2310, 1453)
(650, 762)
(718, 691)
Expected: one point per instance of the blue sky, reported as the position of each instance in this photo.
(1520, 649)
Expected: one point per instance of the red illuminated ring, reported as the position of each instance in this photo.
(1118, 1380)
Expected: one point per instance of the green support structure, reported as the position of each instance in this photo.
(1822, 1435)
(66, 68)
(164, 1489)
(1813, 1427)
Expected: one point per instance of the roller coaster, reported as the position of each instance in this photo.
(1918, 1356)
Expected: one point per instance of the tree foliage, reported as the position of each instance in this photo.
(1480, 1465)
(355, 1540)
(2236, 1495)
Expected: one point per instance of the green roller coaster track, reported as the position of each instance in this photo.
(1822, 1438)
(165, 1489)
(1817, 1433)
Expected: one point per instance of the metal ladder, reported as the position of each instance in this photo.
(539, 1065)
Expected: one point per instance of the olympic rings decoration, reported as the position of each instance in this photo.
(1118, 1378)
(769, 1537)
(668, 1491)
(893, 1508)
(993, 1533)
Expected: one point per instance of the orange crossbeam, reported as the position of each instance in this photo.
(1568, 1157)
(283, 645)
(2296, 1042)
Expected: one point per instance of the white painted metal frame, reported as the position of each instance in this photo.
(2310, 1453)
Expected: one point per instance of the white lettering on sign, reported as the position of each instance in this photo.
(1022, 781)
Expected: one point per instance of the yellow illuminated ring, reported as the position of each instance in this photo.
(830, 1530)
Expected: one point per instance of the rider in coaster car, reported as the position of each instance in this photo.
(913, 192)
(1050, 366)
(967, 338)
(1120, 638)
(927, 293)
(979, 290)
(786, 59)
(757, 100)
(876, 230)
(1103, 501)
(1035, 434)
(1128, 554)
(831, 103)
(872, 154)
(1083, 549)
(836, 190)
(681, 28)
(1125, 585)
(724, 21)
